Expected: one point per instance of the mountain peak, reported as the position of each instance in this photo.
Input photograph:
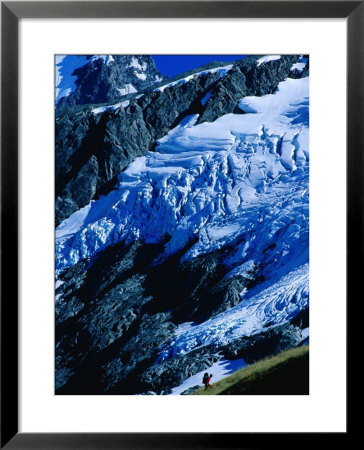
(84, 79)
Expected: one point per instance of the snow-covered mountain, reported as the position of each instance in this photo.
(82, 79)
(193, 252)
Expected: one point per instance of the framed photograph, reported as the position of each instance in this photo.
(181, 206)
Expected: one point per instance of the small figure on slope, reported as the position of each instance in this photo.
(206, 380)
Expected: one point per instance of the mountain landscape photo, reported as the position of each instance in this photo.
(182, 224)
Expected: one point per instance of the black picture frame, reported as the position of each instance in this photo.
(11, 12)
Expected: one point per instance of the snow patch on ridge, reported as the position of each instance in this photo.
(221, 70)
(267, 58)
(136, 65)
(141, 76)
(299, 66)
(102, 109)
(127, 89)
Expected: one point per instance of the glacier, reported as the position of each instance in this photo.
(212, 180)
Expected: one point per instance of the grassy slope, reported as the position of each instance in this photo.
(283, 374)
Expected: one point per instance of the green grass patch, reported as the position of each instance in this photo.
(284, 374)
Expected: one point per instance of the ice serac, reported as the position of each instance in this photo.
(198, 257)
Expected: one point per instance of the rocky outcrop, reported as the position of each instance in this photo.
(191, 390)
(196, 289)
(91, 150)
(114, 333)
(264, 344)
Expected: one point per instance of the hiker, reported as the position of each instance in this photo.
(207, 379)
(204, 379)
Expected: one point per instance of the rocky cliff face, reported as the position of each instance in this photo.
(183, 221)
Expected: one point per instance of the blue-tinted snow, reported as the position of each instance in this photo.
(305, 333)
(300, 65)
(268, 58)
